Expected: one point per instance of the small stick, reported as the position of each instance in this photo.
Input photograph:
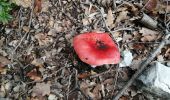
(29, 25)
(143, 65)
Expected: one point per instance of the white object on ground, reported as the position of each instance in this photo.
(127, 59)
(156, 79)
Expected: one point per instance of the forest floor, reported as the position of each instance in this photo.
(38, 61)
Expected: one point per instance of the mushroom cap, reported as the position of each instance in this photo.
(96, 49)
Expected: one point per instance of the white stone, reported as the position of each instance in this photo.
(156, 79)
(52, 97)
(127, 58)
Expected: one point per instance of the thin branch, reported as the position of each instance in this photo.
(142, 66)
(29, 25)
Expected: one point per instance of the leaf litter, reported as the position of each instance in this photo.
(45, 66)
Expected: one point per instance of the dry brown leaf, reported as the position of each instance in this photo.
(138, 46)
(109, 81)
(4, 61)
(85, 21)
(3, 69)
(38, 62)
(96, 92)
(37, 6)
(41, 89)
(146, 31)
(148, 34)
(34, 75)
(123, 15)
(132, 6)
(110, 18)
(43, 39)
(26, 28)
(84, 75)
(24, 3)
(151, 5)
(45, 5)
(148, 38)
(85, 87)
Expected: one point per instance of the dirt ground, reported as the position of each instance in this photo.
(38, 61)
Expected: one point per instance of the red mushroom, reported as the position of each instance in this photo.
(96, 49)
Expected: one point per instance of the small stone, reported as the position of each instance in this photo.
(7, 30)
(52, 97)
(156, 80)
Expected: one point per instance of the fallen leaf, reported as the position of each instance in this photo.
(146, 31)
(38, 62)
(123, 15)
(85, 21)
(3, 61)
(43, 39)
(26, 28)
(3, 69)
(34, 75)
(148, 38)
(37, 6)
(132, 7)
(41, 89)
(96, 92)
(45, 5)
(110, 18)
(84, 75)
(138, 46)
(148, 34)
(24, 3)
(85, 87)
(151, 5)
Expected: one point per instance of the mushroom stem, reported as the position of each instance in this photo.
(94, 66)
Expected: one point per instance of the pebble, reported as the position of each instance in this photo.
(52, 97)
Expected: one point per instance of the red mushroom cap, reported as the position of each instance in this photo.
(96, 49)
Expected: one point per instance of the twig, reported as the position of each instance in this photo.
(103, 73)
(29, 25)
(107, 28)
(68, 87)
(142, 67)
(116, 77)
(122, 29)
